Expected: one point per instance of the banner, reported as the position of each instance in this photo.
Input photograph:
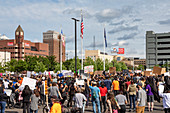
(88, 69)
(27, 44)
(114, 49)
(30, 82)
(8, 92)
(79, 81)
(10, 43)
(121, 51)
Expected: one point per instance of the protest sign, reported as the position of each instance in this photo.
(30, 82)
(158, 70)
(8, 92)
(88, 69)
(80, 81)
(28, 73)
(112, 70)
(148, 73)
(98, 72)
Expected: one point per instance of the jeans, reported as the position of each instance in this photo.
(87, 96)
(26, 107)
(3, 105)
(132, 99)
(33, 111)
(84, 105)
(94, 102)
(42, 97)
(104, 103)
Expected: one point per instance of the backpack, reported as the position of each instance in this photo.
(94, 95)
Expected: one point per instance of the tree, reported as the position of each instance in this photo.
(11, 66)
(141, 67)
(67, 63)
(21, 66)
(72, 64)
(98, 64)
(57, 67)
(39, 67)
(2, 68)
(108, 64)
(88, 61)
(52, 63)
(31, 61)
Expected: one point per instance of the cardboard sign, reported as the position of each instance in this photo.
(88, 69)
(158, 70)
(30, 82)
(148, 73)
(98, 72)
(112, 70)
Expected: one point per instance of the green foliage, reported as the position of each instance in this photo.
(98, 64)
(21, 66)
(57, 68)
(2, 68)
(52, 63)
(119, 65)
(141, 67)
(88, 61)
(11, 66)
(72, 64)
(39, 67)
(67, 63)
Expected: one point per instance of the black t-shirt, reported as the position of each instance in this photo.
(63, 93)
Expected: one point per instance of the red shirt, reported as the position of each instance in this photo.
(103, 91)
(128, 83)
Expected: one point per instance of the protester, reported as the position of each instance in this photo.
(62, 90)
(103, 92)
(115, 84)
(26, 94)
(141, 100)
(79, 98)
(113, 104)
(132, 95)
(42, 95)
(122, 101)
(34, 101)
(56, 108)
(166, 100)
(108, 83)
(150, 97)
(86, 92)
(3, 98)
(96, 97)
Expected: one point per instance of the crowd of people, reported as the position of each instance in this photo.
(107, 93)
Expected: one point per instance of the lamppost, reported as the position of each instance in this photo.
(76, 20)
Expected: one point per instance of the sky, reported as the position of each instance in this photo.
(125, 21)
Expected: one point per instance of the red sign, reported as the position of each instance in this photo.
(10, 43)
(27, 44)
(121, 51)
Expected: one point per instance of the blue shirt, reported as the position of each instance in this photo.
(96, 89)
(108, 84)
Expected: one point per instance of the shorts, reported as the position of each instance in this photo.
(150, 98)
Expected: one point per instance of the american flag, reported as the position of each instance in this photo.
(82, 26)
(62, 37)
(105, 37)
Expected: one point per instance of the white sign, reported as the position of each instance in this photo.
(80, 82)
(8, 92)
(30, 82)
(88, 69)
(28, 73)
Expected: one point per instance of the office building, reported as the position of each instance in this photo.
(19, 47)
(157, 48)
(52, 38)
(94, 54)
(5, 57)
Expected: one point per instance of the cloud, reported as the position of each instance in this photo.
(121, 43)
(117, 23)
(69, 39)
(127, 37)
(36, 40)
(164, 22)
(137, 20)
(107, 15)
(98, 44)
(122, 28)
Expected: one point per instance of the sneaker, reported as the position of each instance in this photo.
(130, 110)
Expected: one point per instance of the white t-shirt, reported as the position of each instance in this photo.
(166, 99)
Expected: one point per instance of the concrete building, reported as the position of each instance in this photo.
(157, 48)
(138, 61)
(118, 58)
(5, 57)
(94, 54)
(19, 47)
(52, 38)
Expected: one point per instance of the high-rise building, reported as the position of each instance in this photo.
(19, 47)
(52, 38)
(157, 48)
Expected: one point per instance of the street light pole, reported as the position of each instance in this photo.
(76, 20)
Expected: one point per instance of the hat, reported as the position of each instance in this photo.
(140, 84)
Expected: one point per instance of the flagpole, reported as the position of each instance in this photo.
(60, 51)
(104, 53)
(81, 48)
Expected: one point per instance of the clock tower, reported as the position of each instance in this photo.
(19, 40)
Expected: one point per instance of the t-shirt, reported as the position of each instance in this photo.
(166, 99)
(79, 98)
(128, 83)
(115, 85)
(96, 89)
(34, 102)
(53, 91)
(141, 97)
(121, 99)
(108, 84)
(56, 108)
(149, 92)
(103, 91)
